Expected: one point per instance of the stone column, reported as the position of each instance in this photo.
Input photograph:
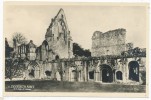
(85, 71)
(25, 75)
(81, 75)
(96, 76)
(42, 70)
(100, 76)
(44, 75)
(95, 73)
(66, 72)
(114, 77)
(54, 67)
(126, 73)
(63, 73)
(69, 74)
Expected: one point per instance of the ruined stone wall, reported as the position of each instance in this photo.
(58, 36)
(108, 43)
(81, 70)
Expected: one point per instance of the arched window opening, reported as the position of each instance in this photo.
(31, 74)
(48, 73)
(107, 73)
(133, 71)
(57, 57)
(91, 75)
(119, 75)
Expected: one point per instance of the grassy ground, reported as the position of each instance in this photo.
(56, 86)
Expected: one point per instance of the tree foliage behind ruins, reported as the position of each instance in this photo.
(79, 51)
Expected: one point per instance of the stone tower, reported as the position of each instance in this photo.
(108, 43)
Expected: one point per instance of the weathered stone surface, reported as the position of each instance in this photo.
(27, 51)
(100, 68)
(108, 43)
(58, 37)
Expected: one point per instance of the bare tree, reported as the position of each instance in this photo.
(20, 38)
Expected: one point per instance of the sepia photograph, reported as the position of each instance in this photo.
(90, 49)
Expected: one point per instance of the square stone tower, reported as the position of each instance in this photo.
(108, 43)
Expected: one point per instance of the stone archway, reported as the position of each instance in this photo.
(91, 74)
(106, 73)
(133, 71)
(32, 73)
(33, 70)
(73, 75)
(119, 75)
(56, 57)
(44, 50)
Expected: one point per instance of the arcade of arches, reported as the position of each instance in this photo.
(105, 73)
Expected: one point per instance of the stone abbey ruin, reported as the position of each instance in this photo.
(112, 59)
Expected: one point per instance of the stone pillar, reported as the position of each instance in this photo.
(126, 72)
(88, 75)
(62, 71)
(42, 70)
(114, 77)
(100, 76)
(69, 74)
(54, 70)
(66, 72)
(58, 76)
(36, 73)
(40, 67)
(44, 66)
(78, 76)
(96, 76)
(26, 74)
(85, 71)
(81, 75)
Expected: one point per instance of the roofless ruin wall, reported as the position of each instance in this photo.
(108, 43)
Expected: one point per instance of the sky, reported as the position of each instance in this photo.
(83, 20)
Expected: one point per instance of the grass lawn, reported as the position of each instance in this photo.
(56, 86)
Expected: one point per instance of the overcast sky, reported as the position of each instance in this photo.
(83, 21)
